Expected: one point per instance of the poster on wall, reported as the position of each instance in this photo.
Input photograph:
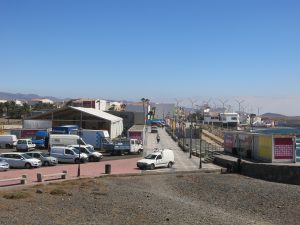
(283, 148)
(229, 142)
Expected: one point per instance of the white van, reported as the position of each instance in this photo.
(24, 144)
(68, 154)
(66, 139)
(8, 141)
(158, 158)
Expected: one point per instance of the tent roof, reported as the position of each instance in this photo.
(98, 113)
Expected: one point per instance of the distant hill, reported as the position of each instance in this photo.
(273, 116)
(24, 97)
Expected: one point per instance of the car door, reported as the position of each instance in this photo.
(159, 160)
(69, 155)
(19, 161)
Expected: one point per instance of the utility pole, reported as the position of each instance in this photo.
(239, 103)
(191, 139)
(200, 150)
(223, 104)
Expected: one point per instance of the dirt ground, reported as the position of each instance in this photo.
(177, 198)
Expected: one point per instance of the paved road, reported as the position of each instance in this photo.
(182, 160)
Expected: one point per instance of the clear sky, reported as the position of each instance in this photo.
(158, 49)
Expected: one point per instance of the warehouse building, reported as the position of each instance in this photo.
(86, 118)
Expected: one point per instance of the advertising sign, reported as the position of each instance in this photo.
(229, 142)
(135, 135)
(283, 148)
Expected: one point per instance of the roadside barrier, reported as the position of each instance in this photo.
(22, 179)
(63, 175)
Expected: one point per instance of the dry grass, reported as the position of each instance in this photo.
(17, 195)
(58, 191)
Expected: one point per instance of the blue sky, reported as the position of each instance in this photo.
(159, 49)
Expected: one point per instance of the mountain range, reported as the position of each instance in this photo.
(24, 97)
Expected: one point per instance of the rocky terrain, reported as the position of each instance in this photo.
(177, 198)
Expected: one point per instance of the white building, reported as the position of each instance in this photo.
(40, 100)
(229, 119)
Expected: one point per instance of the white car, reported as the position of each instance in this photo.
(20, 160)
(158, 158)
(3, 165)
(68, 154)
(92, 154)
(24, 145)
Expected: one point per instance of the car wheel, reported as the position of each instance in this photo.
(27, 165)
(152, 167)
(8, 146)
(92, 159)
(46, 163)
(170, 164)
(77, 161)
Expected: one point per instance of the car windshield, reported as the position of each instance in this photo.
(26, 156)
(150, 156)
(45, 154)
(76, 150)
(90, 149)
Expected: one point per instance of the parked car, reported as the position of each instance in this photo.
(24, 145)
(91, 153)
(46, 159)
(158, 158)
(154, 129)
(68, 154)
(3, 165)
(8, 141)
(20, 160)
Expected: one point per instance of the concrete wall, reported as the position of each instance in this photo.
(289, 174)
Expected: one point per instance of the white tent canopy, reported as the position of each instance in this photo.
(116, 123)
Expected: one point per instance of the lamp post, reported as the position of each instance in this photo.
(79, 141)
(200, 150)
(191, 140)
(145, 100)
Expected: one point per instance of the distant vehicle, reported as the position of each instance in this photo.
(99, 139)
(4, 166)
(128, 146)
(68, 154)
(46, 159)
(154, 129)
(41, 139)
(91, 153)
(24, 145)
(20, 160)
(8, 141)
(66, 139)
(66, 129)
(158, 158)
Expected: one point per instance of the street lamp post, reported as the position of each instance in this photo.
(79, 141)
(191, 140)
(200, 150)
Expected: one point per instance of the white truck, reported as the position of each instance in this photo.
(66, 140)
(128, 146)
(98, 138)
(159, 158)
(8, 141)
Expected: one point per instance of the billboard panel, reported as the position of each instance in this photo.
(283, 148)
(265, 146)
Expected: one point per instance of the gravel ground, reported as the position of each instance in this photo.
(178, 198)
